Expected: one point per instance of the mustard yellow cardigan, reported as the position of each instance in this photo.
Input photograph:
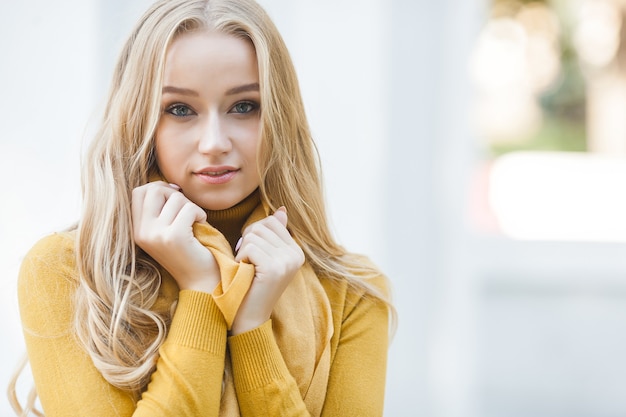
(188, 380)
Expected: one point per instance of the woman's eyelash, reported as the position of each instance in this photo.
(179, 110)
(183, 110)
(245, 107)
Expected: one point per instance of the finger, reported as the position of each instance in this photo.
(266, 232)
(172, 206)
(157, 193)
(275, 223)
(188, 214)
(137, 197)
(252, 252)
(268, 240)
(281, 215)
(269, 243)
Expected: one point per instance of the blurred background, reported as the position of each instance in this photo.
(474, 149)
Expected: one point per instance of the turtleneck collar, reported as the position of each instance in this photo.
(231, 220)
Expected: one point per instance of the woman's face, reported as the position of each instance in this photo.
(210, 125)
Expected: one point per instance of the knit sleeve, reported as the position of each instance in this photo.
(356, 382)
(189, 372)
(262, 380)
(356, 385)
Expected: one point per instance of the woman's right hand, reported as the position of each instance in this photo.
(162, 226)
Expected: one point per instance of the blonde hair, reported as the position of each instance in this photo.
(115, 317)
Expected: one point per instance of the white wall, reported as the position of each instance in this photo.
(46, 83)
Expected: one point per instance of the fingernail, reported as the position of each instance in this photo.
(174, 186)
(238, 245)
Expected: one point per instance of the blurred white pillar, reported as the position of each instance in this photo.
(599, 38)
(431, 149)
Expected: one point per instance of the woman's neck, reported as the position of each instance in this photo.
(230, 221)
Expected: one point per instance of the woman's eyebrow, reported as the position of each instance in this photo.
(188, 92)
(243, 89)
(178, 90)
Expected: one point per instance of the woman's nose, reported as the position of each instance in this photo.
(213, 137)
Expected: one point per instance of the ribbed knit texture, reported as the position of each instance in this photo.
(261, 361)
(230, 221)
(197, 322)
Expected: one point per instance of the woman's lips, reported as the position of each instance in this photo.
(218, 175)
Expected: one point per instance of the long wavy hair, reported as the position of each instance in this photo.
(116, 318)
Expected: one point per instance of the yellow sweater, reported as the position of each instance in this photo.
(188, 380)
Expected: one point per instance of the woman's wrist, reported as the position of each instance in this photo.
(245, 325)
(203, 285)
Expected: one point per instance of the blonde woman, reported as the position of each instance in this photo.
(202, 279)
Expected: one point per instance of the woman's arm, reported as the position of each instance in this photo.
(262, 380)
(356, 384)
(276, 257)
(189, 372)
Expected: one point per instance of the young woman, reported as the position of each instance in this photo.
(202, 279)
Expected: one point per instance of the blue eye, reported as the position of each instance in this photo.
(244, 107)
(180, 110)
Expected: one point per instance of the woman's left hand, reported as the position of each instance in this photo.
(276, 257)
